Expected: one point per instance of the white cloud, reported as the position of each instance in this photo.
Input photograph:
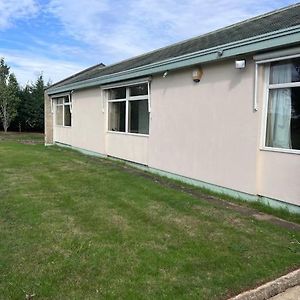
(29, 65)
(120, 29)
(108, 30)
(46, 48)
(12, 10)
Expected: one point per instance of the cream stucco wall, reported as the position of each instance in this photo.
(207, 130)
(279, 176)
(88, 122)
(127, 146)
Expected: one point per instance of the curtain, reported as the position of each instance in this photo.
(114, 119)
(279, 109)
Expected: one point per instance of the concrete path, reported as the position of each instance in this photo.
(290, 294)
(286, 287)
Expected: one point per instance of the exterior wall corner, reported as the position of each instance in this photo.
(48, 120)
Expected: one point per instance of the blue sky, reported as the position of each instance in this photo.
(62, 37)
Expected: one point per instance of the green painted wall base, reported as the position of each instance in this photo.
(274, 203)
(81, 150)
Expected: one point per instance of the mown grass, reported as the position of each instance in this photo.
(78, 227)
(282, 213)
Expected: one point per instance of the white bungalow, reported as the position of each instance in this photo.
(221, 110)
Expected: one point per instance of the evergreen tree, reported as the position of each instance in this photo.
(31, 107)
(20, 122)
(37, 116)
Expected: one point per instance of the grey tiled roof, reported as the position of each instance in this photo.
(276, 20)
(81, 74)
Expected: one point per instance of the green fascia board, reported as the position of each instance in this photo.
(271, 40)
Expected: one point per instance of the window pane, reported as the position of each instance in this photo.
(118, 93)
(283, 120)
(67, 115)
(66, 99)
(138, 117)
(285, 71)
(116, 116)
(295, 119)
(59, 115)
(59, 100)
(138, 90)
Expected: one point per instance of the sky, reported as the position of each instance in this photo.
(61, 37)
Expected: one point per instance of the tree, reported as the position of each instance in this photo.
(23, 109)
(36, 118)
(31, 107)
(9, 90)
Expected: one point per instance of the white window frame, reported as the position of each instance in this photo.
(69, 103)
(127, 100)
(267, 88)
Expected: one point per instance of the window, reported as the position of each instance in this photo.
(128, 109)
(283, 108)
(63, 115)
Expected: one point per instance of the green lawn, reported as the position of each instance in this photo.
(78, 227)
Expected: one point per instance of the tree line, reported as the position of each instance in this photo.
(21, 108)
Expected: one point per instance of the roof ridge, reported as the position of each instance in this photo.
(209, 33)
(78, 73)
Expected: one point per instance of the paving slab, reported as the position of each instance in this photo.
(290, 294)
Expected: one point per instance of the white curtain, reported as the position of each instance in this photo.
(114, 119)
(279, 108)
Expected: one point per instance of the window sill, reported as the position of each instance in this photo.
(128, 133)
(287, 151)
(62, 126)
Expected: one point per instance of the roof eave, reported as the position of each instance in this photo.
(271, 40)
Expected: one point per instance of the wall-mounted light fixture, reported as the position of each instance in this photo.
(240, 64)
(197, 74)
(165, 74)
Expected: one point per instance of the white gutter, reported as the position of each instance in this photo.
(126, 83)
(255, 104)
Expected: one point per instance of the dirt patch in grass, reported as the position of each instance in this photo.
(186, 223)
(119, 222)
(30, 142)
(21, 137)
